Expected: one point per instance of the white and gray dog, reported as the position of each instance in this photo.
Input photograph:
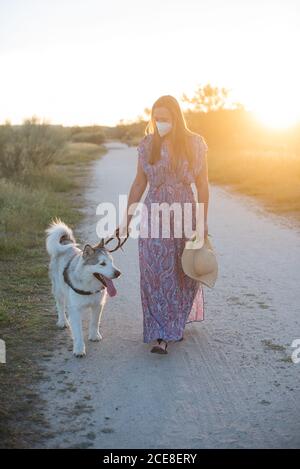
(81, 280)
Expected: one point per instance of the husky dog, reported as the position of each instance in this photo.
(81, 280)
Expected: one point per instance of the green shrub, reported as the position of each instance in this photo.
(89, 137)
(30, 146)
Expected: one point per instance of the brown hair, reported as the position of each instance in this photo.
(181, 141)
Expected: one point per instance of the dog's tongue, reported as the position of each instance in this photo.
(110, 287)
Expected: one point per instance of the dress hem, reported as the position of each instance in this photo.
(171, 340)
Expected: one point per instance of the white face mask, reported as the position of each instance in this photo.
(163, 127)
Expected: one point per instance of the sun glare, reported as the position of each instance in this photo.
(275, 108)
(277, 117)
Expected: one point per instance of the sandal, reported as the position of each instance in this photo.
(159, 348)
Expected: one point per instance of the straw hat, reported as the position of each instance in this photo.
(200, 263)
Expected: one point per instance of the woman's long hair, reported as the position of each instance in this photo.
(181, 141)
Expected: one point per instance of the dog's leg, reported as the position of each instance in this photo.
(62, 321)
(59, 297)
(94, 334)
(95, 318)
(77, 333)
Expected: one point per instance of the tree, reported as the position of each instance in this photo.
(207, 98)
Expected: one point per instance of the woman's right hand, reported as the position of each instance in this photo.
(118, 229)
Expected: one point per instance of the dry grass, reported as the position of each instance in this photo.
(271, 176)
(80, 153)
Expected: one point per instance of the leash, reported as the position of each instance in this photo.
(120, 244)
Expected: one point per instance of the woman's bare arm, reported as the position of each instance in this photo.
(136, 191)
(202, 186)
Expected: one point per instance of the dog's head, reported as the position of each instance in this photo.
(100, 264)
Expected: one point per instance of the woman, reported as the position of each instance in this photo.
(170, 158)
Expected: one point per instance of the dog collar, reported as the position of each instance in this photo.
(68, 281)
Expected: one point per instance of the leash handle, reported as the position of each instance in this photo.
(120, 243)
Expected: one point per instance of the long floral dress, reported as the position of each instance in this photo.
(170, 299)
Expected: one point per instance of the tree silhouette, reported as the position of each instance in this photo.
(207, 98)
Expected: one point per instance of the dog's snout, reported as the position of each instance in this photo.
(117, 273)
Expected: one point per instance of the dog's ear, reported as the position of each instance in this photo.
(100, 244)
(88, 251)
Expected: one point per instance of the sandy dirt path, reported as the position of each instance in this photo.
(230, 384)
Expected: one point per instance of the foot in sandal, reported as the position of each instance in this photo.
(161, 347)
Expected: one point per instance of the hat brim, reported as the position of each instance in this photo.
(187, 263)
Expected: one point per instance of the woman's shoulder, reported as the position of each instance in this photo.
(145, 140)
(199, 140)
(200, 148)
(143, 147)
(144, 143)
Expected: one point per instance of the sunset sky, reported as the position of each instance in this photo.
(96, 62)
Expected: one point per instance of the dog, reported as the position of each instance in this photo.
(81, 280)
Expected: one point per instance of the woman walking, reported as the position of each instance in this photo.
(170, 158)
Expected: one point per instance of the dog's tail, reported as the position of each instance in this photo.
(59, 238)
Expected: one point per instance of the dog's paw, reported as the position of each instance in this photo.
(95, 336)
(79, 352)
(62, 324)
